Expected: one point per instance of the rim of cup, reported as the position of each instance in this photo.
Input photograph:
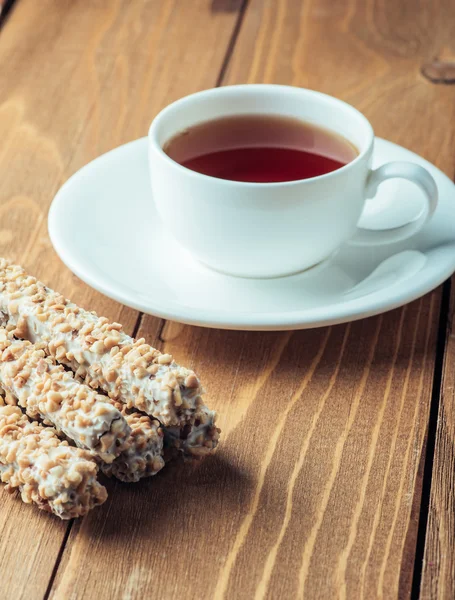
(261, 88)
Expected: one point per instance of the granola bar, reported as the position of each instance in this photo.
(49, 392)
(103, 355)
(48, 472)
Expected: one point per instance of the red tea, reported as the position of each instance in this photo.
(260, 149)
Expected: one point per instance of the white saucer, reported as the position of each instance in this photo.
(104, 227)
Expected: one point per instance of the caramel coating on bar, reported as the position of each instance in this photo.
(103, 355)
(58, 478)
(49, 392)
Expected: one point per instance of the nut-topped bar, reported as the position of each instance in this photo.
(48, 392)
(101, 353)
(47, 471)
(143, 455)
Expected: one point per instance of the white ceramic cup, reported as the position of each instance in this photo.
(273, 229)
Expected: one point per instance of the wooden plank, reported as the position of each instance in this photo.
(29, 542)
(77, 79)
(325, 430)
(438, 571)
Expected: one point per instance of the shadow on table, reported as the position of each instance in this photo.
(180, 497)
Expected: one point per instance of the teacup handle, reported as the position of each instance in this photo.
(404, 170)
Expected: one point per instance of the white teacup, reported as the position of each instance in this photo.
(273, 229)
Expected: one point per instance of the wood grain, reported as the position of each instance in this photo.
(438, 571)
(322, 438)
(331, 505)
(315, 490)
(29, 542)
(78, 79)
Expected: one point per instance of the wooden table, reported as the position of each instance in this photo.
(335, 475)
